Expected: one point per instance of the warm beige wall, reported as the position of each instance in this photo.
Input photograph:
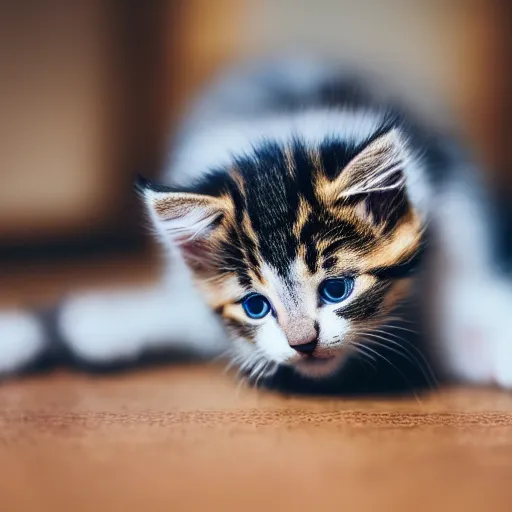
(54, 116)
(206, 36)
(87, 89)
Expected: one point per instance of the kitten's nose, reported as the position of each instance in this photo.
(306, 348)
(302, 335)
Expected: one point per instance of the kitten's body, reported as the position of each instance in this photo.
(239, 214)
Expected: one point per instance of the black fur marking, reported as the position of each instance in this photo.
(387, 207)
(272, 201)
(248, 245)
(329, 262)
(345, 235)
(241, 329)
(335, 156)
(401, 270)
(308, 237)
(367, 305)
(311, 257)
(215, 183)
(305, 173)
(234, 260)
(142, 184)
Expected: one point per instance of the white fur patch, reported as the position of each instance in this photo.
(473, 301)
(21, 340)
(332, 327)
(476, 339)
(248, 90)
(215, 145)
(274, 344)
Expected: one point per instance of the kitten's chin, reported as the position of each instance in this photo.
(319, 368)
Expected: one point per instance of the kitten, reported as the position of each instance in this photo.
(301, 214)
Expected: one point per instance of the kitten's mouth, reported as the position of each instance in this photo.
(318, 365)
(316, 359)
(320, 355)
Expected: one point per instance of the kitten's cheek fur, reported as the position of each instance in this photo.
(273, 343)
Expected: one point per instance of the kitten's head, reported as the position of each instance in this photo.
(299, 250)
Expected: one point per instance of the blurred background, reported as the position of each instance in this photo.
(91, 90)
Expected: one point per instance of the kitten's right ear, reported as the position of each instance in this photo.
(378, 167)
(180, 216)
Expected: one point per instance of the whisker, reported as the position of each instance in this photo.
(422, 364)
(400, 319)
(379, 355)
(400, 328)
(410, 344)
(366, 358)
(360, 347)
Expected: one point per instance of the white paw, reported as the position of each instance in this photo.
(21, 340)
(478, 334)
(119, 325)
(101, 327)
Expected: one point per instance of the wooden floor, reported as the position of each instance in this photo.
(187, 438)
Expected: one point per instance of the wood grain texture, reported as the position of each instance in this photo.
(187, 438)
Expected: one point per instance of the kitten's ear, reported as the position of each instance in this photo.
(377, 168)
(181, 216)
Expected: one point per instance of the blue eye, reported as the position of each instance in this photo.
(337, 290)
(256, 306)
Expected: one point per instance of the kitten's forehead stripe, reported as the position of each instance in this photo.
(280, 212)
(241, 245)
(284, 211)
(272, 204)
(233, 257)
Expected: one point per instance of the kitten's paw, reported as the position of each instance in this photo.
(100, 327)
(477, 340)
(119, 326)
(21, 340)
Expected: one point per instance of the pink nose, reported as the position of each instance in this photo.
(303, 336)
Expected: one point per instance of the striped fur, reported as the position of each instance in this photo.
(284, 217)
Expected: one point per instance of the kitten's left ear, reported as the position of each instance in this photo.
(378, 167)
(181, 217)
